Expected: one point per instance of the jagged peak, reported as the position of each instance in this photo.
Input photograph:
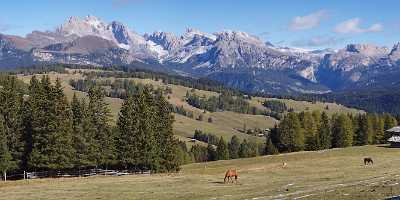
(192, 32)
(366, 49)
(238, 35)
(396, 47)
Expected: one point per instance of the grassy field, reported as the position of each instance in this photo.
(299, 106)
(329, 174)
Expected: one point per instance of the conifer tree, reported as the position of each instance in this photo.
(99, 118)
(62, 150)
(310, 132)
(129, 132)
(291, 134)
(222, 150)
(244, 149)
(325, 132)
(342, 131)
(6, 161)
(270, 148)
(83, 137)
(211, 153)
(50, 127)
(233, 147)
(379, 131)
(390, 122)
(365, 130)
(11, 107)
(40, 124)
(167, 144)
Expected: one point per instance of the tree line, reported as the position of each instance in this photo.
(315, 131)
(219, 149)
(224, 102)
(41, 130)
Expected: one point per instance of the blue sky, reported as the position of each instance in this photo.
(299, 23)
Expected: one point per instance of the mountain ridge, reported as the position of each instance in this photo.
(233, 57)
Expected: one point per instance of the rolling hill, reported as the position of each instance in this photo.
(225, 123)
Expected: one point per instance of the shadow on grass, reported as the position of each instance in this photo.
(218, 182)
(387, 146)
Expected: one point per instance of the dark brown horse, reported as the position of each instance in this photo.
(368, 161)
(230, 174)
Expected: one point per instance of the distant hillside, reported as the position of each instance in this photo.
(224, 123)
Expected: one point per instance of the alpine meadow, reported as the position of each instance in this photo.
(273, 100)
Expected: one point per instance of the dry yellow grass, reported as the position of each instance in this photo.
(329, 174)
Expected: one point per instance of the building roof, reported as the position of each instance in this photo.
(395, 129)
(394, 139)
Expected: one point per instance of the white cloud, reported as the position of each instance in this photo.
(308, 21)
(353, 26)
(318, 41)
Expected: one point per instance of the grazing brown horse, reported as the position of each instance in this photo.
(230, 174)
(368, 161)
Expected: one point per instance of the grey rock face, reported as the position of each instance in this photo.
(232, 57)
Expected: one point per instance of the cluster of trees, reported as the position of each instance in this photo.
(182, 111)
(225, 101)
(385, 100)
(117, 89)
(41, 130)
(205, 137)
(315, 131)
(275, 105)
(167, 78)
(223, 150)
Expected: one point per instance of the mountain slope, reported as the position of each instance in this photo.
(234, 58)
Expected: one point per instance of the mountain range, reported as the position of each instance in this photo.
(234, 58)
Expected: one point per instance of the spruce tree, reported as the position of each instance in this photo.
(365, 130)
(166, 143)
(325, 132)
(390, 122)
(244, 149)
(270, 148)
(233, 147)
(99, 117)
(310, 132)
(211, 153)
(291, 134)
(222, 150)
(83, 135)
(379, 131)
(50, 127)
(342, 131)
(128, 125)
(40, 123)
(6, 160)
(11, 108)
(61, 141)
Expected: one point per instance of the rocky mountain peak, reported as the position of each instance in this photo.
(165, 39)
(366, 49)
(240, 37)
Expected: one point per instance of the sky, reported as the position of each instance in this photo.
(310, 24)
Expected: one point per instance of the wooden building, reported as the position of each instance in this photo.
(394, 140)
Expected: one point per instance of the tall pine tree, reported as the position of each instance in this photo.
(222, 150)
(233, 147)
